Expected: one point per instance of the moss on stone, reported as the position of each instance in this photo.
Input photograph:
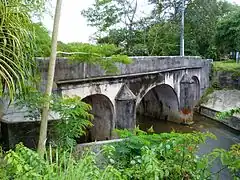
(236, 75)
(205, 97)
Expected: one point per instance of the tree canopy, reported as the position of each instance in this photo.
(157, 32)
(228, 33)
(42, 40)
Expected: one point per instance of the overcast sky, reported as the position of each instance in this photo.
(73, 27)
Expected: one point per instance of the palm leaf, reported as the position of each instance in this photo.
(17, 44)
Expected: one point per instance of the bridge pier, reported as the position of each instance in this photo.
(189, 96)
(125, 102)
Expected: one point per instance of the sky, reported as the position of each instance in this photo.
(73, 26)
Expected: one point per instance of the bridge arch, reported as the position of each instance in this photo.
(158, 102)
(103, 122)
(196, 89)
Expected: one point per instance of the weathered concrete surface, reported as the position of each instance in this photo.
(139, 87)
(135, 84)
(116, 97)
(125, 103)
(102, 110)
(159, 102)
(25, 132)
(72, 70)
(226, 79)
(95, 146)
(222, 100)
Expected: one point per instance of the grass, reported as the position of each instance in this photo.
(227, 66)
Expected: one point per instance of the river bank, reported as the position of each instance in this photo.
(220, 101)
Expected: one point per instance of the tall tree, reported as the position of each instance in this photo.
(163, 39)
(161, 27)
(42, 40)
(201, 23)
(228, 33)
(115, 16)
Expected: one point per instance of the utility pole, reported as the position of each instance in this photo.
(182, 29)
(51, 71)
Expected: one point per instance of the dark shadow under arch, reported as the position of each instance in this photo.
(102, 109)
(196, 89)
(158, 102)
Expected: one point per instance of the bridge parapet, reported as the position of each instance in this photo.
(68, 70)
(166, 88)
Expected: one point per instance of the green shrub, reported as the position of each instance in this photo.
(74, 116)
(140, 156)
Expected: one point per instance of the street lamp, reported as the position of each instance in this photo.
(182, 29)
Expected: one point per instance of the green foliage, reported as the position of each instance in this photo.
(139, 156)
(157, 33)
(230, 159)
(74, 119)
(166, 155)
(17, 44)
(42, 40)
(228, 36)
(201, 20)
(24, 163)
(71, 114)
(105, 55)
(226, 66)
(117, 22)
(236, 75)
(229, 113)
(104, 13)
(163, 39)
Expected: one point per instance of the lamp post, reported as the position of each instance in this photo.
(182, 29)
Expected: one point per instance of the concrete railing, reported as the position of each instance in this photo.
(67, 70)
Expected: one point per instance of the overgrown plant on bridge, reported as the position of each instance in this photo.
(104, 55)
(140, 156)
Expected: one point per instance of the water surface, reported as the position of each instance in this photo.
(225, 135)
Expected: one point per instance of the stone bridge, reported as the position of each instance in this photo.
(159, 87)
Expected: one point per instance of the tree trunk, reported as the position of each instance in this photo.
(48, 92)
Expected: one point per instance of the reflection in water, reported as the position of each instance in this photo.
(225, 135)
(161, 125)
(200, 124)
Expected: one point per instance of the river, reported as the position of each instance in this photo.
(225, 135)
